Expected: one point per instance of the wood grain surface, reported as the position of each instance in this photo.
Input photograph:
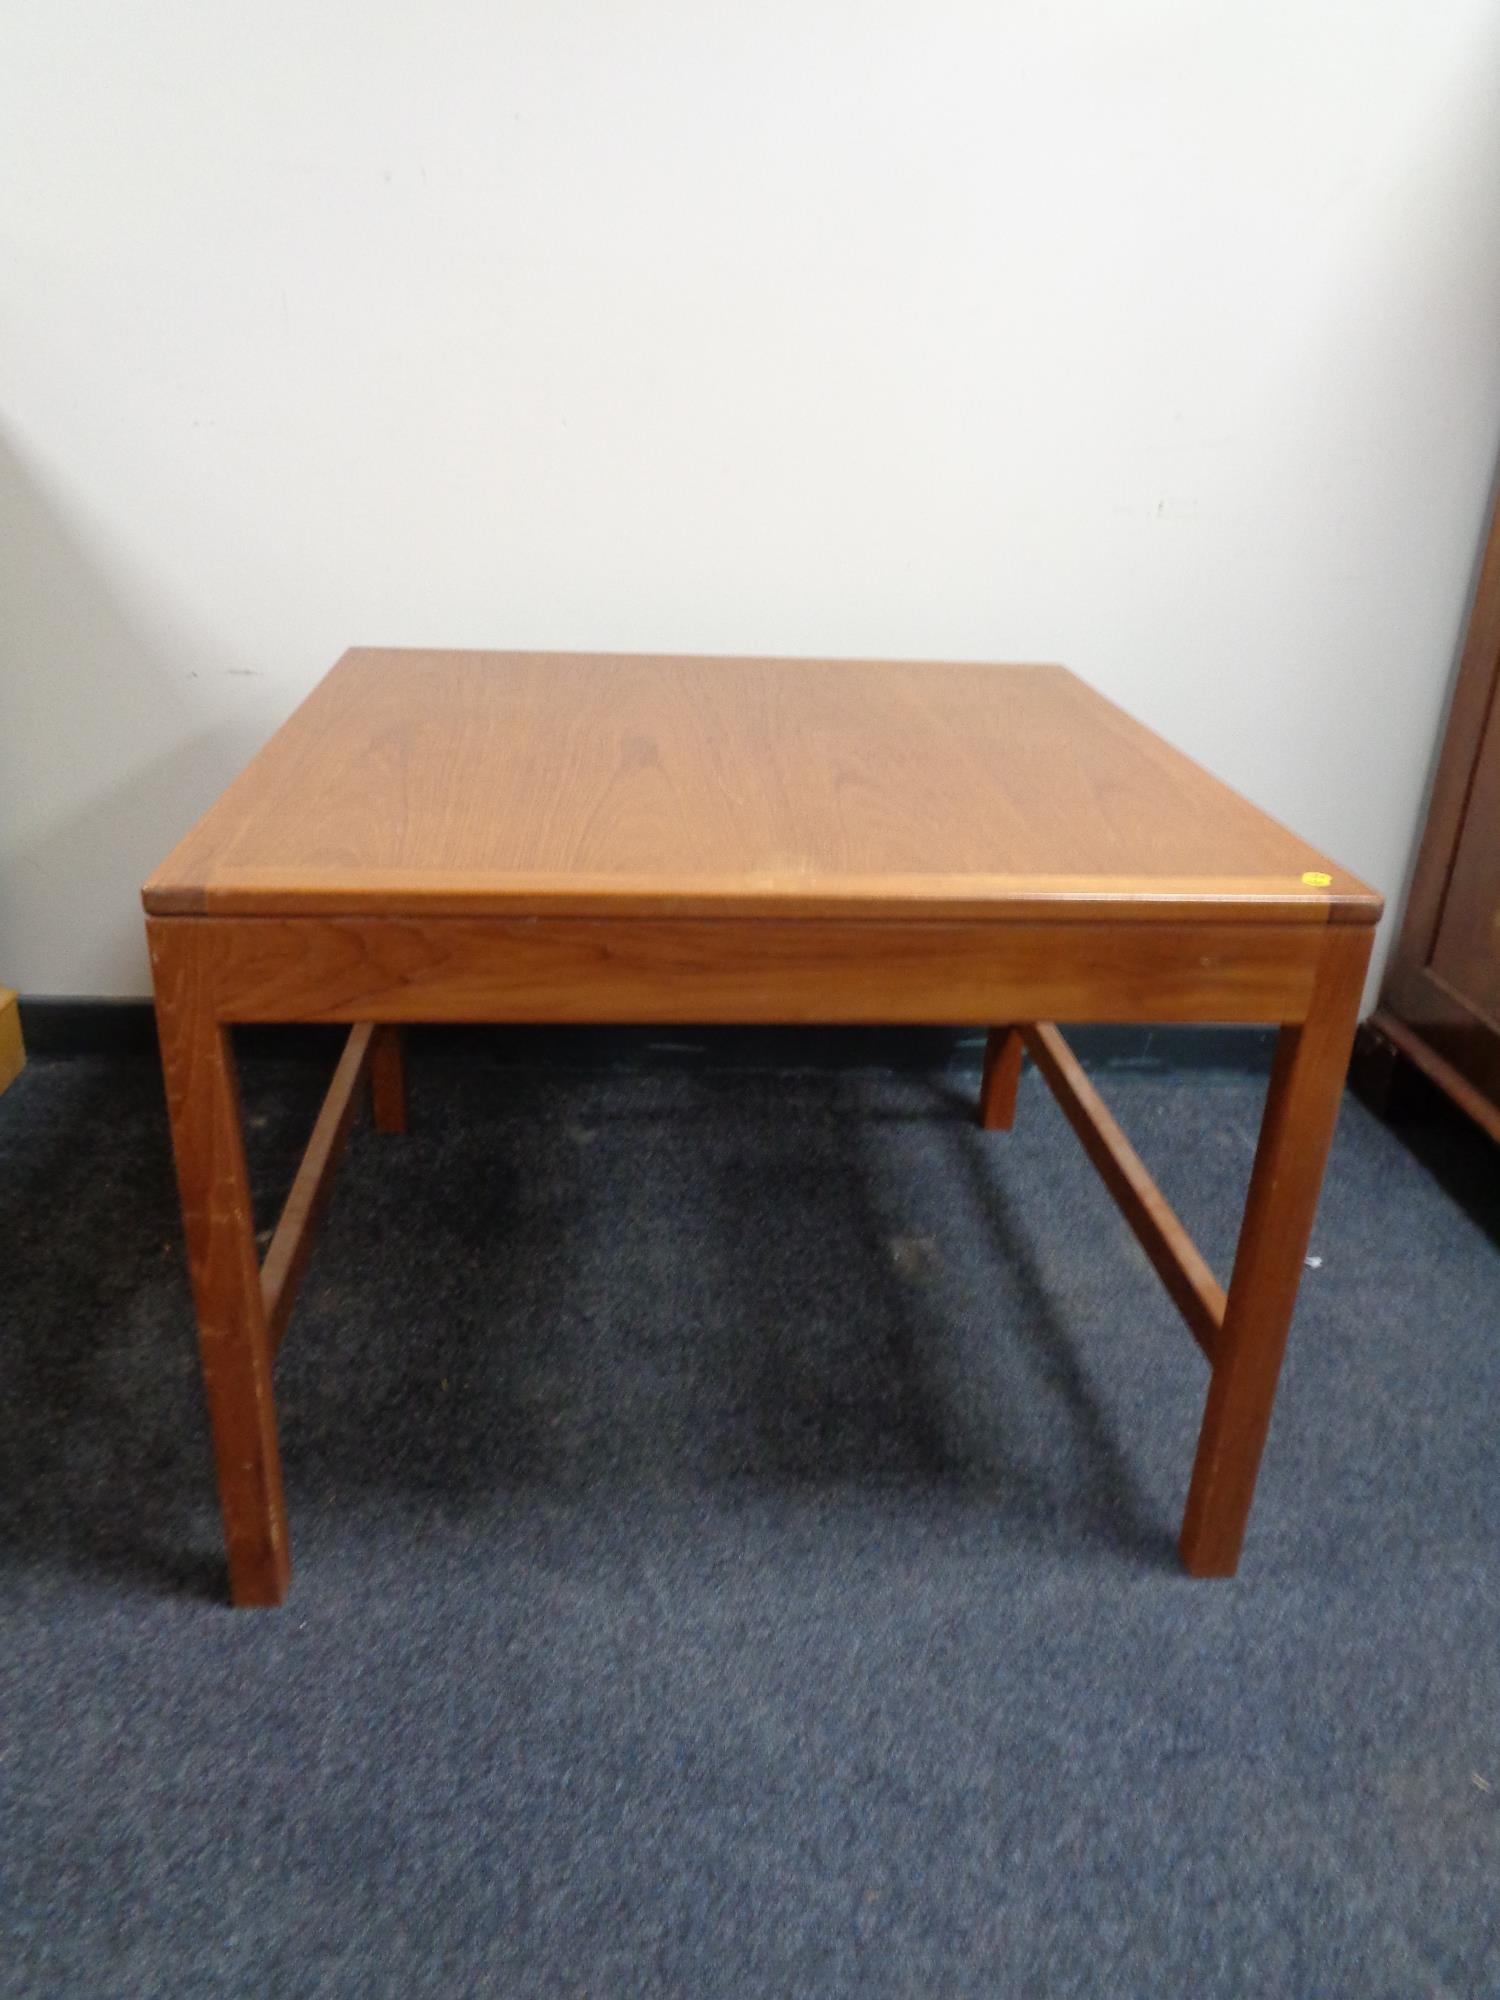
(234, 1341)
(554, 838)
(440, 783)
(1302, 1106)
(598, 969)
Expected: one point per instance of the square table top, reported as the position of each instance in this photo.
(468, 783)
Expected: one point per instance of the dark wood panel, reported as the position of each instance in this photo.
(1440, 1004)
(1466, 952)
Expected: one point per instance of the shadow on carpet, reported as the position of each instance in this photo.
(733, 1518)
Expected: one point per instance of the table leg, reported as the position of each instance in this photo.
(1307, 1081)
(1002, 1074)
(208, 1142)
(388, 1079)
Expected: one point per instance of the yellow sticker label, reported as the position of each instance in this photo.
(1316, 879)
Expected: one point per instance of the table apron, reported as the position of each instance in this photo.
(579, 969)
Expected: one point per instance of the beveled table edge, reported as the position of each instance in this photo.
(293, 892)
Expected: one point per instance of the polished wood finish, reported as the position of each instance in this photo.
(505, 837)
(291, 1241)
(1191, 1285)
(1307, 1081)
(1002, 1076)
(388, 1080)
(594, 969)
(524, 784)
(233, 1341)
(1440, 1002)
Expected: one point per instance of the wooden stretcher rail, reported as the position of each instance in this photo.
(1193, 1288)
(291, 1244)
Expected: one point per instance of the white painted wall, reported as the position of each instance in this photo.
(1157, 336)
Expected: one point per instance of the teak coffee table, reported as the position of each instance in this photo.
(546, 838)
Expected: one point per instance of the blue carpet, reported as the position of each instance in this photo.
(733, 1520)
